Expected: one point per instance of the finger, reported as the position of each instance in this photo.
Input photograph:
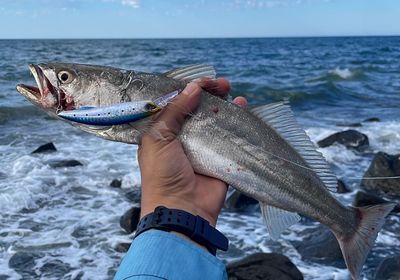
(219, 87)
(241, 101)
(172, 117)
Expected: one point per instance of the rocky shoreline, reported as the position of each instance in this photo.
(317, 245)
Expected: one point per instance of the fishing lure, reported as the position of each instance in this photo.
(116, 114)
(120, 113)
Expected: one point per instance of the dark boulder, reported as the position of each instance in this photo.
(116, 183)
(342, 188)
(383, 165)
(122, 247)
(238, 201)
(362, 199)
(263, 266)
(373, 119)
(54, 269)
(349, 124)
(130, 219)
(320, 245)
(24, 263)
(64, 163)
(46, 148)
(352, 139)
(133, 195)
(388, 269)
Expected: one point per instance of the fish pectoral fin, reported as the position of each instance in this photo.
(280, 117)
(277, 220)
(192, 72)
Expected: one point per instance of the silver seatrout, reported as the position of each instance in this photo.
(262, 152)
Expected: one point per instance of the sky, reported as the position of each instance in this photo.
(196, 18)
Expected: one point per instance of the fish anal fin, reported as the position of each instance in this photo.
(280, 117)
(277, 220)
(192, 72)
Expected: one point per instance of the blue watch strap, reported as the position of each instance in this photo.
(194, 227)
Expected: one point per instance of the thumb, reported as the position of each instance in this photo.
(170, 120)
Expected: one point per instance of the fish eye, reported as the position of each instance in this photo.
(65, 77)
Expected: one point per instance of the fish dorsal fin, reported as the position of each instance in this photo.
(280, 117)
(277, 220)
(192, 72)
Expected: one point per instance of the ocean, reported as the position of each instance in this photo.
(63, 223)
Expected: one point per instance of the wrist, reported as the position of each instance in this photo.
(193, 227)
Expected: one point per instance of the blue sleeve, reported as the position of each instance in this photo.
(157, 254)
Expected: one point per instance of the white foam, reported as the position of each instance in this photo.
(344, 73)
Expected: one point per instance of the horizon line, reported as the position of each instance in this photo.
(202, 38)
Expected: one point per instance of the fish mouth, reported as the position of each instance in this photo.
(45, 94)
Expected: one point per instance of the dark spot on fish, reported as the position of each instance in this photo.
(215, 109)
(228, 169)
(373, 228)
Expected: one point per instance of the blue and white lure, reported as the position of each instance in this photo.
(117, 114)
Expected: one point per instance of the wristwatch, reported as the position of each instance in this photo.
(194, 227)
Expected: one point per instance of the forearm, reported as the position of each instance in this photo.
(162, 255)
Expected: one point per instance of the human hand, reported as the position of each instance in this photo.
(168, 178)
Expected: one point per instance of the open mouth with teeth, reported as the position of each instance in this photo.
(45, 94)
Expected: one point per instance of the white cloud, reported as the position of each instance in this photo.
(131, 3)
(272, 3)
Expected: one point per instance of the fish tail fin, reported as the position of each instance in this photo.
(355, 246)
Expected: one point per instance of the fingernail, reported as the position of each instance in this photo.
(190, 88)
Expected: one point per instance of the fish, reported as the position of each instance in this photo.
(116, 114)
(262, 151)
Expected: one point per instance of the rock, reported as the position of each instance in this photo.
(238, 201)
(54, 269)
(383, 165)
(23, 263)
(263, 266)
(388, 269)
(122, 247)
(320, 245)
(133, 195)
(116, 183)
(341, 187)
(362, 199)
(349, 124)
(46, 148)
(373, 119)
(350, 138)
(130, 219)
(64, 163)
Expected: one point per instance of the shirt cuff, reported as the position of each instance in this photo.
(157, 254)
